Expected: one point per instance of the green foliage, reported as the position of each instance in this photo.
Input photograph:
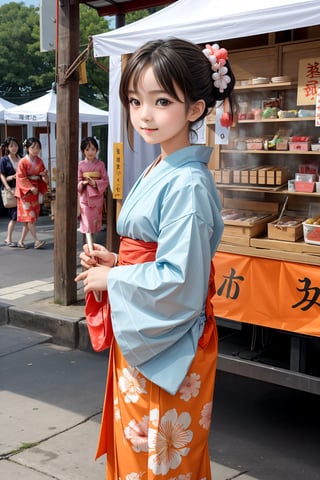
(26, 73)
(134, 16)
(21, 66)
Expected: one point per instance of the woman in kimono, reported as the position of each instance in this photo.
(31, 180)
(162, 360)
(92, 183)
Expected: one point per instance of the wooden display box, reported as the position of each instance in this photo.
(237, 174)
(277, 176)
(248, 220)
(285, 230)
(217, 175)
(227, 176)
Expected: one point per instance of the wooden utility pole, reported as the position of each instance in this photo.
(67, 147)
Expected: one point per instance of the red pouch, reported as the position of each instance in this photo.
(98, 315)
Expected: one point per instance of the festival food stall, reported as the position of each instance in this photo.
(267, 265)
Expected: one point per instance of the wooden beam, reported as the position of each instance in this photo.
(67, 147)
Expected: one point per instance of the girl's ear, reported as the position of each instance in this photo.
(196, 110)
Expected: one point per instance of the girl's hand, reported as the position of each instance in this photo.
(92, 182)
(100, 255)
(94, 279)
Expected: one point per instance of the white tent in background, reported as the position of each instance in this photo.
(4, 104)
(200, 22)
(43, 110)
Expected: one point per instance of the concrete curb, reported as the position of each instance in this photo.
(66, 325)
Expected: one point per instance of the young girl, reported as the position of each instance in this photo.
(92, 183)
(32, 179)
(162, 360)
(8, 167)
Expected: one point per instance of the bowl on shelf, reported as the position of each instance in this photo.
(260, 80)
(283, 79)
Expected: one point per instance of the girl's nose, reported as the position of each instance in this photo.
(145, 112)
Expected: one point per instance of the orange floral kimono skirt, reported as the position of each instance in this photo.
(149, 434)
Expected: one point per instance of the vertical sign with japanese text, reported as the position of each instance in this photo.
(308, 81)
(318, 108)
(117, 171)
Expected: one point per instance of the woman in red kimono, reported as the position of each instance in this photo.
(32, 179)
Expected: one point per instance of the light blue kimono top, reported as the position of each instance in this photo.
(158, 308)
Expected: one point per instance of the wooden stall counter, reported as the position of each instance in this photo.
(268, 292)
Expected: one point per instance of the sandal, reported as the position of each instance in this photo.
(21, 245)
(39, 244)
(9, 244)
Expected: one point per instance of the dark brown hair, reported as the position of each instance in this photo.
(28, 142)
(7, 142)
(88, 141)
(176, 63)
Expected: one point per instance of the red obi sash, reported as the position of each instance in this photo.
(98, 314)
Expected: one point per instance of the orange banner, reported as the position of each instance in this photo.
(270, 293)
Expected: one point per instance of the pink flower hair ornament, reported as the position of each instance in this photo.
(218, 57)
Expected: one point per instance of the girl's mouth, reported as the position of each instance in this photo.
(148, 130)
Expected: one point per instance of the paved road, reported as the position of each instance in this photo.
(28, 274)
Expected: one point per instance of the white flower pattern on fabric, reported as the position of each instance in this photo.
(137, 433)
(134, 476)
(154, 417)
(117, 414)
(131, 384)
(169, 442)
(182, 477)
(206, 413)
(190, 387)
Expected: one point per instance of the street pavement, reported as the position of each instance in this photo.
(52, 387)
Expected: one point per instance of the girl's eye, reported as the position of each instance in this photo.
(134, 102)
(163, 102)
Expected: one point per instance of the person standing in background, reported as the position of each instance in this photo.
(8, 167)
(93, 181)
(32, 179)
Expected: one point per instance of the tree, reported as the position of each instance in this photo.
(26, 73)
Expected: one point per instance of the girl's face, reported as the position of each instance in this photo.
(156, 116)
(13, 148)
(90, 152)
(34, 150)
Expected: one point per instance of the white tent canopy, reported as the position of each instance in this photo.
(4, 104)
(200, 22)
(44, 109)
(206, 20)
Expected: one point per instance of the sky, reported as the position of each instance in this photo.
(27, 3)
